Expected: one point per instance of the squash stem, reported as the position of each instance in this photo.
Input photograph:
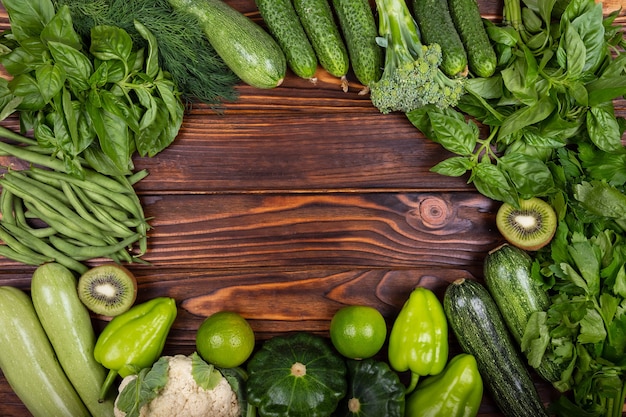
(106, 385)
(414, 379)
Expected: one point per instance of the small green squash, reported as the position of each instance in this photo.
(296, 375)
(374, 390)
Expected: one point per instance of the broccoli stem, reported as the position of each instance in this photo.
(400, 31)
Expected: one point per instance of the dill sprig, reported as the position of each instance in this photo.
(184, 51)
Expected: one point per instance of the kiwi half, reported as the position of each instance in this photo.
(107, 289)
(529, 227)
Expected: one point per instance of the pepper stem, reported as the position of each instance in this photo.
(106, 385)
(414, 379)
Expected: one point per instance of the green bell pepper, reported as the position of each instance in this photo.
(456, 392)
(135, 339)
(418, 341)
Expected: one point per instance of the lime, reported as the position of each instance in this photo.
(225, 339)
(358, 331)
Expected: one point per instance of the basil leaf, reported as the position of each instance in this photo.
(572, 52)
(19, 61)
(168, 93)
(453, 167)
(527, 116)
(27, 87)
(50, 80)
(529, 175)
(77, 66)
(61, 29)
(592, 34)
(491, 182)
(28, 18)
(454, 134)
(110, 43)
(603, 129)
(152, 61)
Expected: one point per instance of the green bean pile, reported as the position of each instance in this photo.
(51, 215)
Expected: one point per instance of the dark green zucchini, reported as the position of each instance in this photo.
(480, 330)
(507, 273)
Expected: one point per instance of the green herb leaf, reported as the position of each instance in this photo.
(111, 43)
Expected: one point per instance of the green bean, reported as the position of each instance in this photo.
(6, 206)
(92, 180)
(62, 225)
(31, 156)
(57, 212)
(106, 215)
(21, 221)
(137, 176)
(80, 208)
(9, 134)
(42, 247)
(9, 253)
(19, 247)
(37, 185)
(138, 212)
(91, 252)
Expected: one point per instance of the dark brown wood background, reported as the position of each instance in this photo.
(297, 201)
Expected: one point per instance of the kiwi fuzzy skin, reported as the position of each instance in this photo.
(509, 221)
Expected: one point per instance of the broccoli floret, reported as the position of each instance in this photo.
(411, 77)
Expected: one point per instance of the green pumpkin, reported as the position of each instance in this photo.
(296, 375)
(374, 390)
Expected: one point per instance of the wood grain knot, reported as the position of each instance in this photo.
(434, 212)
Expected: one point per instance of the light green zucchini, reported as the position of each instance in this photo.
(67, 323)
(248, 50)
(28, 361)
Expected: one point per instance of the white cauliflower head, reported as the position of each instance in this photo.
(183, 394)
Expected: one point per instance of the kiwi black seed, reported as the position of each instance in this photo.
(529, 227)
(107, 289)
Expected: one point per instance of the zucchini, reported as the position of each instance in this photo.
(507, 273)
(320, 26)
(480, 330)
(29, 363)
(359, 28)
(436, 26)
(248, 50)
(67, 322)
(481, 56)
(283, 23)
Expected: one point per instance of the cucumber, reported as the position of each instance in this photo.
(481, 56)
(320, 26)
(67, 323)
(283, 23)
(507, 273)
(29, 363)
(359, 28)
(480, 330)
(436, 26)
(248, 50)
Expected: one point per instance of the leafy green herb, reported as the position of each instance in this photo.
(554, 88)
(100, 103)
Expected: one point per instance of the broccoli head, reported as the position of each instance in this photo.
(411, 77)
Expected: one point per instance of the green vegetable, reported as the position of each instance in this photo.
(508, 277)
(184, 51)
(373, 390)
(411, 75)
(319, 24)
(100, 102)
(134, 339)
(554, 87)
(418, 341)
(67, 324)
(480, 330)
(436, 26)
(357, 23)
(456, 392)
(481, 56)
(284, 24)
(245, 47)
(296, 375)
(28, 361)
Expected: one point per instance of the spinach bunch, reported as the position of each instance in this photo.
(100, 102)
(559, 70)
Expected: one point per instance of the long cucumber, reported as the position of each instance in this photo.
(284, 24)
(248, 50)
(67, 322)
(28, 361)
(320, 26)
(359, 28)
(436, 26)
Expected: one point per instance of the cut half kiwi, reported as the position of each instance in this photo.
(529, 227)
(108, 289)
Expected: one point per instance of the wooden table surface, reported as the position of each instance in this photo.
(294, 202)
